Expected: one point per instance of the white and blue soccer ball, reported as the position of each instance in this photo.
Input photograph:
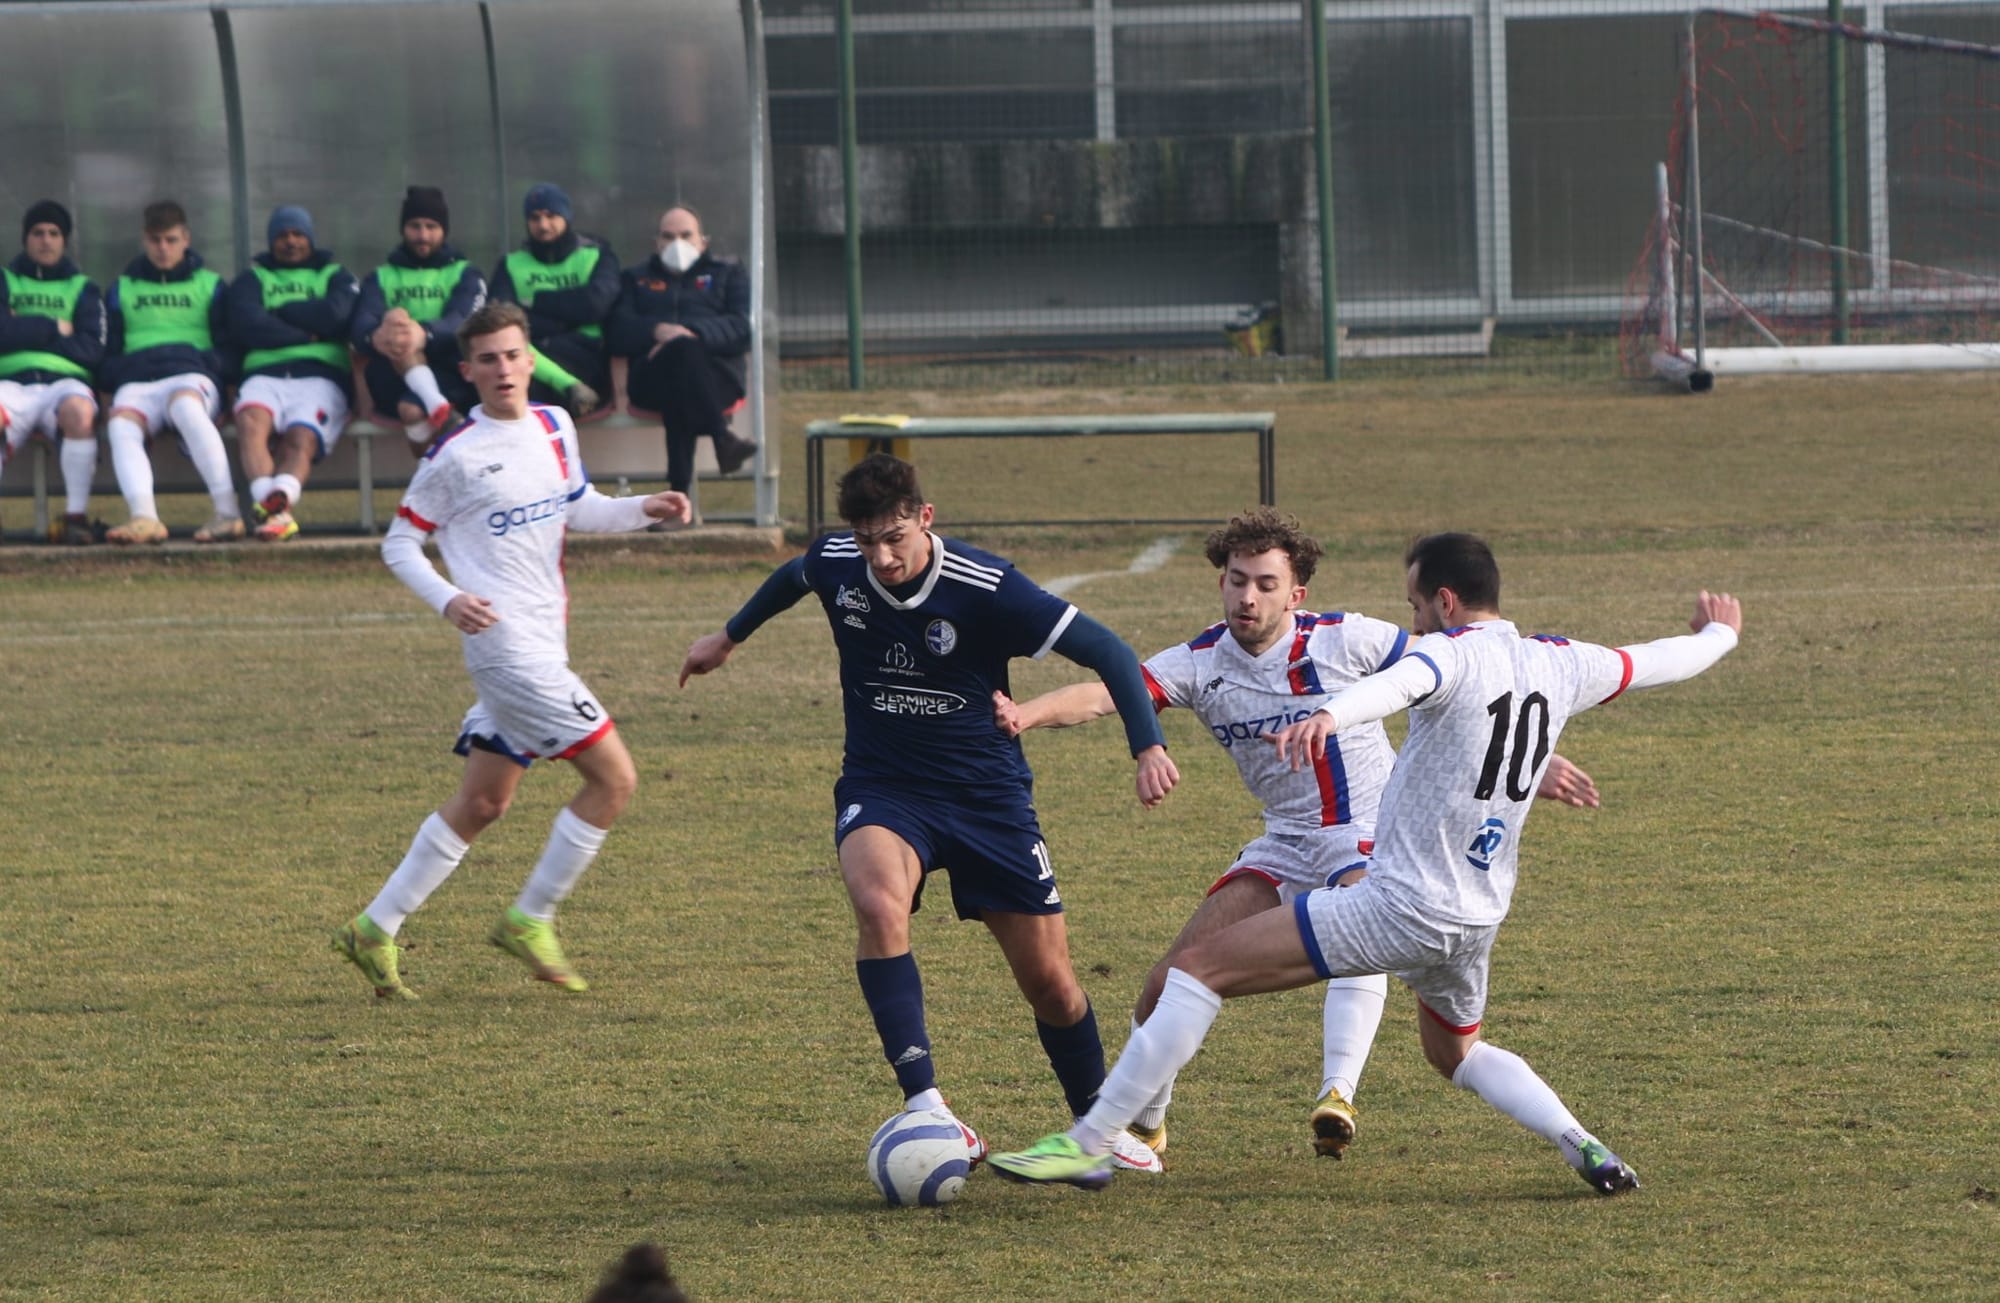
(920, 1158)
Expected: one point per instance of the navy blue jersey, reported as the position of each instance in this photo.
(917, 675)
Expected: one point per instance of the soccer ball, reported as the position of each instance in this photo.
(920, 1158)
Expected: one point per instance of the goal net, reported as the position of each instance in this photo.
(1863, 237)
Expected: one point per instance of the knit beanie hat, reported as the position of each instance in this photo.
(289, 217)
(547, 198)
(425, 201)
(46, 210)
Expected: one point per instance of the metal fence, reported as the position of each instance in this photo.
(1045, 190)
(1126, 189)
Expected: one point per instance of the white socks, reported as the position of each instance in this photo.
(572, 845)
(260, 488)
(204, 448)
(422, 381)
(286, 484)
(79, 463)
(924, 1099)
(1352, 1014)
(134, 468)
(1154, 1115)
(1152, 1058)
(1505, 1081)
(433, 854)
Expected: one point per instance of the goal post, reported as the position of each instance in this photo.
(1749, 195)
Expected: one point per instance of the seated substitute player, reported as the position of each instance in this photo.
(1486, 709)
(499, 492)
(567, 282)
(683, 318)
(924, 627)
(288, 316)
(164, 331)
(407, 318)
(1267, 664)
(51, 339)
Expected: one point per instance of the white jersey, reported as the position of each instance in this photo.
(496, 495)
(1451, 819)
(1243, 699)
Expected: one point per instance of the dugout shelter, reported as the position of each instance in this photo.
(234, 108)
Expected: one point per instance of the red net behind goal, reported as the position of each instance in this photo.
(1919, 259)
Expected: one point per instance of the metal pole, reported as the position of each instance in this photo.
(1691, 198)
(499, 131)
(850, 190)
(1323, 165)
(1836, 170)
(232, 112)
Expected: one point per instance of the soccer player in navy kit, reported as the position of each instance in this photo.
(925, 627)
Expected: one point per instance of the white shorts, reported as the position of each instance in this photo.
(528, 712)
(151, 398)
(313, 402)
(1351, 931)
(31, 409)
(1296, 863)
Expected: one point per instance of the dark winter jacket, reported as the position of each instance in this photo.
(26, 332)
(465, 295)
(711, 298)
(161, 361)
(255, 327)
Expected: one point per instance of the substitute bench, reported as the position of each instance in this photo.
(869, 433)
(619, 442)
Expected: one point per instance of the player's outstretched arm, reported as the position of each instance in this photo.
(1716, 608)
(708, 653)
(1377, 696)
(1095, 647)
(785, 586)
(1717, 622)
(1077, 703)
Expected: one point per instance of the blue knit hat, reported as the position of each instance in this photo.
(548, 198)
(289, 217)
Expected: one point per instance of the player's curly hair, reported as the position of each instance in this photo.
(641, 1276)
(878, 487)
(493, 317)
(1261, 530)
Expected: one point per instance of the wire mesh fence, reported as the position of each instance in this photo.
(1048, 191)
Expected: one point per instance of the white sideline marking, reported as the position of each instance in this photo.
(1151, 559)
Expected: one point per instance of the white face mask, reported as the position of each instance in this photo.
(680, 255)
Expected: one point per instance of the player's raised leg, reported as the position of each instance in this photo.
(1235, 898)
(1263, 953)
(527, 930)
(368, 940)
(1505, 1081)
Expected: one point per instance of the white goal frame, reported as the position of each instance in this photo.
(1689, 361)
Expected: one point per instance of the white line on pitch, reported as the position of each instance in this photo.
(1151, 559)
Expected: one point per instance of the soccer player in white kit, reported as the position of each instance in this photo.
(1487, 707)
(1268, 664)
(499, 493)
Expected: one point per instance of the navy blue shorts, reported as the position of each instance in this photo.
(993, 850)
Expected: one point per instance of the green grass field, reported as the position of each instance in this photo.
(1762, 972)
